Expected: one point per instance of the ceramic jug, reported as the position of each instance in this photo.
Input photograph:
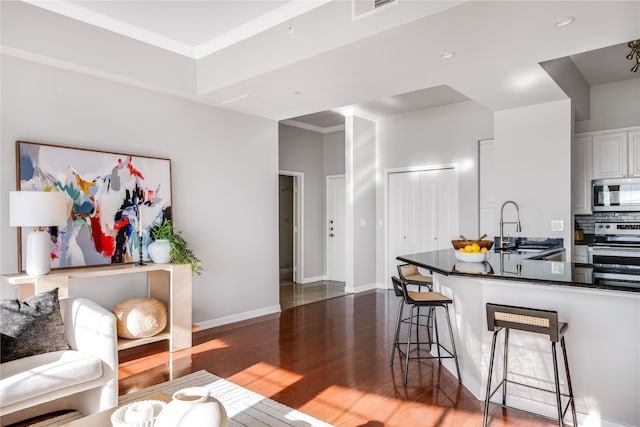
(192, 406)
(159, 251)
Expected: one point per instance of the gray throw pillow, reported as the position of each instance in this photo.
(32, 326)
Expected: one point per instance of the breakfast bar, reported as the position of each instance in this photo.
(603, 339)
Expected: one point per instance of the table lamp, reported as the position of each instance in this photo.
(37, 209)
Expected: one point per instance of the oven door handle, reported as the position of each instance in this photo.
(615, 251)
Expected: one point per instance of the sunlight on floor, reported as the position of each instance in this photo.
(265, 379)
(177, 361)
(354, 407)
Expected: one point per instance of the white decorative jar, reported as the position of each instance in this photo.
(192, 406)
(160, 251)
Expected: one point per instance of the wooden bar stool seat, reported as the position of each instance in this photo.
(409, 273)
(505, 317)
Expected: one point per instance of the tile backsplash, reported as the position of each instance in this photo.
(586, 222)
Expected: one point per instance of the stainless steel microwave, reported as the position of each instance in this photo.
(621, 194)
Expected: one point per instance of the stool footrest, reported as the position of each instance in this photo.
(564, 410)
(402, 352)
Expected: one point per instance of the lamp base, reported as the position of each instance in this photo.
(38, 253)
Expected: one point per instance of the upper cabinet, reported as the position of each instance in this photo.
(603, 154)
(616, 154)
(633, 144)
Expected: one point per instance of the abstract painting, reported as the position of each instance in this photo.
(115, 199)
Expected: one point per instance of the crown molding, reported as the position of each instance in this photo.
(94, 72)
(243, 32)
(77, 12)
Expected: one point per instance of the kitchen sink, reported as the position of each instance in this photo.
(538, 253)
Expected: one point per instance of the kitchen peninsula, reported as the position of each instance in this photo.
(603, 340)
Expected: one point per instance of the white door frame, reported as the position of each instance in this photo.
(326, 219)
(387, 172)
(298, 224)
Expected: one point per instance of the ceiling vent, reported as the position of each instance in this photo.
(363, 8)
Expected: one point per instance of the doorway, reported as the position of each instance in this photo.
(290, 226)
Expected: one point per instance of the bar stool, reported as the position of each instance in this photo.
(416, 300)
(409, 273)
(526, 319)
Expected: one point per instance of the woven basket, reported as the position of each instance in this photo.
(459, 244)
(140, 317)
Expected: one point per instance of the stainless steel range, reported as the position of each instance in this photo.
(615, 253)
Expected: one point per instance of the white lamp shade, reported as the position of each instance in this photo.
(37, 208)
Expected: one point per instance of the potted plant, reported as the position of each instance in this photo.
(179, 252)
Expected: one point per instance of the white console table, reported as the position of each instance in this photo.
(169, 283)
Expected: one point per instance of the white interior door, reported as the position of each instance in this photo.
(447, 208)
(429, 211)
(488, 183)
(422, 212)
(404, 216)
(336, 229)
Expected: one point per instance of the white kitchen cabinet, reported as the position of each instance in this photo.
(615, 154)
(581, 175)
(610, 159)
(633, 144)
(580, 254)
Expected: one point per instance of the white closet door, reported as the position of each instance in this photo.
(423, 212)
(447, 212)
(404, 216)
(429, 211)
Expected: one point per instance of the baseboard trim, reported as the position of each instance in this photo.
(212, 323)
(360, 288)
(312, 279)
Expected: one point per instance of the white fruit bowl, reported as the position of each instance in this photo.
(471, 257)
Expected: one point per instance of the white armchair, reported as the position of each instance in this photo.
(84, 378)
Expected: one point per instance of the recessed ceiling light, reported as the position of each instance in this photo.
(297, 93)
(565, 21)
(447, 55)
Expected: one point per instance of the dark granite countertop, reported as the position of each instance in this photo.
(513, 267)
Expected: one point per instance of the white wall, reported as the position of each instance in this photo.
(613, 105)
(435, 136)
(362, 180)
(224, 174)
(533, 154)
(333, 153)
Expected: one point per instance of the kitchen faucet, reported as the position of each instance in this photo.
(504, 243)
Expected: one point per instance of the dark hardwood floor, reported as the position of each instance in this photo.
(329, 359)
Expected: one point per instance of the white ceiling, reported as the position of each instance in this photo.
(605, 65)
(290, 59)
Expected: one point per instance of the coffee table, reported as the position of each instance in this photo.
(103, 419)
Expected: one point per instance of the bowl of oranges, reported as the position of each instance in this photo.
(472, 250)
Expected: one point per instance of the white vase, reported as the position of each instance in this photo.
(192, 406)
(159, 251)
